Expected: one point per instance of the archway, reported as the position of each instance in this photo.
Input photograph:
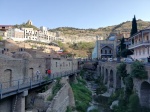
(111, 80)
(31, 73)
(106, 77)
(145, 94)
(7, 78)
(118, 81)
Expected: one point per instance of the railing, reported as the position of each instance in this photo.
(16, 86)
(139, 43)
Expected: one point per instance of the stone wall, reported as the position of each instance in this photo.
(59, 103)
(13, 70)
(63, 98)
(141, 87)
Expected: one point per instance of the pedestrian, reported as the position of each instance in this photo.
(49, 73)
(37, 74)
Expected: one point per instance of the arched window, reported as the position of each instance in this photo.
(101, 51)
(105, 51)
(109, 51)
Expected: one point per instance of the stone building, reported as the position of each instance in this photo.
(105, 48)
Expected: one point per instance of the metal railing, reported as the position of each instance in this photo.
(16, 86)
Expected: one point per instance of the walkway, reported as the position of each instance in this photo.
(28, 83)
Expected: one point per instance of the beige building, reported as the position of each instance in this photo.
(15, 33)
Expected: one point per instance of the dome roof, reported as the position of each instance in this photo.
(112, 38)
(22, 54)
(3, 56)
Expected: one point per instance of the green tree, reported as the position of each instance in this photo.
(123, 52)
(134, 105)
(138, 70)
(121, 47)
(121, 70)
(134, 26)
(1, 38)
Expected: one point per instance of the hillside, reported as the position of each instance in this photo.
(89, 34)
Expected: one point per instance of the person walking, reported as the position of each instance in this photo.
(37, 74)
(49, 73)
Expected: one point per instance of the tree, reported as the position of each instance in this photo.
(123, 52)
(121, 47)
(1, 38)
(121, 70)
(134, 27)
(138, 70)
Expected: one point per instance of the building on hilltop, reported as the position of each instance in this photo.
(29, 22)
(3, 29)
(15, 34)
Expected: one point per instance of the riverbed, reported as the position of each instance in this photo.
(94, 105)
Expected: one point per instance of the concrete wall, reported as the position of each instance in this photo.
(6, 105)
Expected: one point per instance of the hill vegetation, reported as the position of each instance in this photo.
(24, 25)
(103, 31)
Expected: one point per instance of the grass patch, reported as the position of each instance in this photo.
(55, 89)
(82, 96)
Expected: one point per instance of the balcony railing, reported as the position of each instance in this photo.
(139, 44)
(106, 54)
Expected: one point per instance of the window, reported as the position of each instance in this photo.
(147, 37)
(139, 51)
(109, 51)
(105, 51)
(56, 64)
(101, 51)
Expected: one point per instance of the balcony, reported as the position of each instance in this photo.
(106, 54)
(144, 43)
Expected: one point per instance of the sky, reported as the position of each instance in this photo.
(73, 13)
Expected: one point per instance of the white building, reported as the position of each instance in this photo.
(140, 43)
(30, 34)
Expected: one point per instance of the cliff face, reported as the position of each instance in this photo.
(76, 35)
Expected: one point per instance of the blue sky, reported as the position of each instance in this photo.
(73, 13)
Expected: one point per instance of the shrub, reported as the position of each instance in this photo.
(101, 89)
(121, 70)
(1, 38)
(94, 110)
(55, 89)
(138, 70)
(69, 109)
(133, 105)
